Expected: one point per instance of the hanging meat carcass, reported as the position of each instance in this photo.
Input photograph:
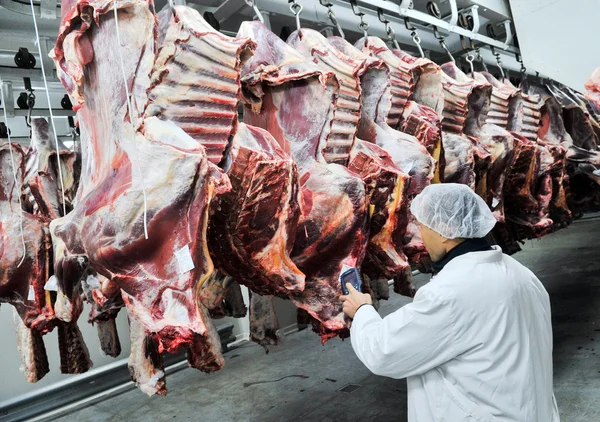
(249, 239)
(294, 100)
(407, 152)
(44, 196)
(138, 169)
(385, 183)
(24, 270)
(553, 137)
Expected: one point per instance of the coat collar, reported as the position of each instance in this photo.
(469, 245)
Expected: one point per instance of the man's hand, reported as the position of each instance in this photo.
(354, 300)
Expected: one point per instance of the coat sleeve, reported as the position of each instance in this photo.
(411, 341)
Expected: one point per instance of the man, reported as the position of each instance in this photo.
(476, 342)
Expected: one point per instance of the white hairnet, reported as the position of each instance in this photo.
(453, 210)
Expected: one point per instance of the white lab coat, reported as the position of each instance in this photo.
(474, 345)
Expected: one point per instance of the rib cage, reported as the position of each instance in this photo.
(346, 115)
(196, 83)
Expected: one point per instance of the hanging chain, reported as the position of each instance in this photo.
(296, 10)
(252, 4)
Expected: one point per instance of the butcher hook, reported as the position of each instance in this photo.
(415, 36)
(30, 105)
(498, 60)
(442, 41)
(478, 52)
(332, 17)
(252, 4)
(520, 60)
(470, 59)
(296, 10)
(388, 29)
(363, 26)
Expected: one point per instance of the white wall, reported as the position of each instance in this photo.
(559, 38)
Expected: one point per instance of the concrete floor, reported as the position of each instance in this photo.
(300, 380)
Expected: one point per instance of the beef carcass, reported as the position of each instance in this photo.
(415, 95)
(406, 151)
(385, 184)
(24, 272)
(466, 106)
(252, 226)
(553, 136)
(121, 188)
(294, 100)
(42, 174)
(44, 196)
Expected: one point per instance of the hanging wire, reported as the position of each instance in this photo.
(14, 170)
(131, 117)
(332, 17)
(478, 52)
(60, 176)
(296, 10)
(252, 4)
(415, 35)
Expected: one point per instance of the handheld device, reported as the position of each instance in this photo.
(351, 276)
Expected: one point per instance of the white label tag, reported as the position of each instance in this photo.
(495, 202)
(184, 260)
(31, 295)
(52, 284)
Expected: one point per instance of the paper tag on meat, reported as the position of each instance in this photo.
(184, 260)
(52, 284)
(31, 294)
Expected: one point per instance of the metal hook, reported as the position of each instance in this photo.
(171, 5)
(442, 41)
(520, 60)
(363, 26)
(388, 29)
(498, 60)
(332, 17)
(252, 4)
(478, 52)
(296, 10)
(470, 59)
(415, 35)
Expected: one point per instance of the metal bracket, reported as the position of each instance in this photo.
(8, 102)
(474, 12)
(509, 34)
(453, 15)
